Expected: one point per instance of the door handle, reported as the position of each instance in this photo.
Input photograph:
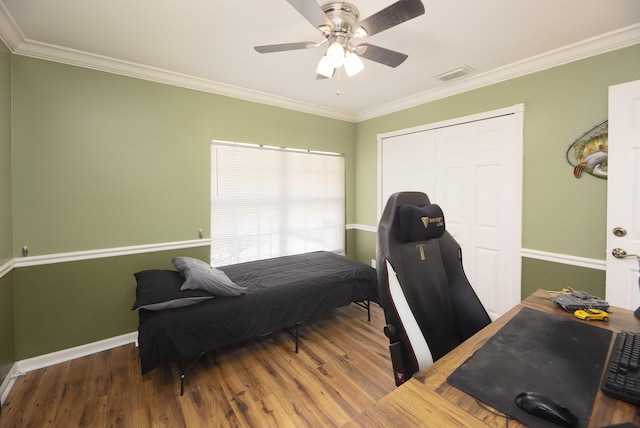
(619, 253)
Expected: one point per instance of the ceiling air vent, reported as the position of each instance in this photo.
(454, 73)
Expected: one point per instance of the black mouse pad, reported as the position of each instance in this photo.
(535, 351)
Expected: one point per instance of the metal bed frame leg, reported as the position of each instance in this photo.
(295, 335)
(366, 304)
(184, 373)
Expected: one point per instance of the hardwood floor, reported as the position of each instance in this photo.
(342, 367)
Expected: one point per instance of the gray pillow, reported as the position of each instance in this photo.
(201, 276)
(160, 289)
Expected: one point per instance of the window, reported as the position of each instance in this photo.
(270, 202)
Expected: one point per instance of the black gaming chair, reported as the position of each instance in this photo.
(428, 303)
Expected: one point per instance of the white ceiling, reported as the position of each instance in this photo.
(208, 45)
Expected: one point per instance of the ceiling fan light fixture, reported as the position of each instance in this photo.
(360, 32)
(353, 64)
(335, 54)
(324, 68)
(340, 23)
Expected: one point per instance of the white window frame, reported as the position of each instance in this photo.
(272, 201)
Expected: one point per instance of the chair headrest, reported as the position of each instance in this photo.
(420, 223)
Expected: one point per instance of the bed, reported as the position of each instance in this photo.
(280, 293)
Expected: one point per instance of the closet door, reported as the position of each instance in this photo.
(409, 164)
(472, 168)
(477, 188)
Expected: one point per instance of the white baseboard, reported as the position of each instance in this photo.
(8, 382)
(21, 367)
(57, 357)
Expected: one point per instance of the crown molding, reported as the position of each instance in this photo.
(12, 36)
(603, 43)
(68, 56)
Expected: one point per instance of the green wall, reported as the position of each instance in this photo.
(7, 351)
(561, 214)
(5, 156)
(7, 331)
(555, 276)
(62, 305)
(104, 161)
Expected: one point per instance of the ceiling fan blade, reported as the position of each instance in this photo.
(381, 55)
(311, 11)
(284, 47)
(390, 16)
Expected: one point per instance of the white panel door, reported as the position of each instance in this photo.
(623, 195)
(408, 162)
(472, 168)
(478, 190)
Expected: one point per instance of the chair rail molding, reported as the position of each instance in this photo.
(107, 252)
(565, 259)
(6, 268)
(362, 227)
(528, 253)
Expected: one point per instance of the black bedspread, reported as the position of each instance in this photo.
(281, 292)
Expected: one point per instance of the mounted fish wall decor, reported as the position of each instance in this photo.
(589, 153)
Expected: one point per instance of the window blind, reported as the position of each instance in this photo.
(269, 202)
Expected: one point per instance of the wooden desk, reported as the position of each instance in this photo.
(428, 400)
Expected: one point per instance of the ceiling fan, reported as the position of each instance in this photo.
(340, 25)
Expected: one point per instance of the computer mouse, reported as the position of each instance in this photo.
(546, 407)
